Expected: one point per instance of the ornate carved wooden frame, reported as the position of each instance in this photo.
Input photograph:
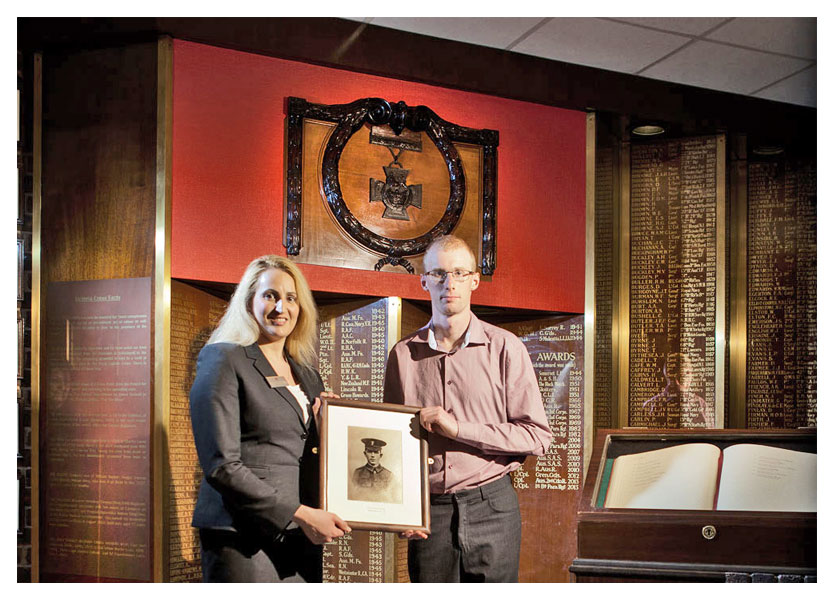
(349, 118)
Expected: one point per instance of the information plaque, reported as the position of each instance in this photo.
(549, 486)
(96, 431)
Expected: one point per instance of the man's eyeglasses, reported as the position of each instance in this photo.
(438, 276)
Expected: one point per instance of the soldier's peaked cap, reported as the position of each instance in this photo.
(374, 443)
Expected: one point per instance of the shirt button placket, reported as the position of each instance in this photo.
(448, 372)
(449, 399)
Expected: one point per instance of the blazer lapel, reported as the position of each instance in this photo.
(263, 366)
(307, 385)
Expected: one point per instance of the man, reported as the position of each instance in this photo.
(679, 404)
(484, 413)
(372, 481)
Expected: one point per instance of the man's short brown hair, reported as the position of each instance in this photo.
(450, 242)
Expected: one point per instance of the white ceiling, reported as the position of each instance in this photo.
(772, 58)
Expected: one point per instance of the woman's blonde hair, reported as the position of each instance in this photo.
(238, 325)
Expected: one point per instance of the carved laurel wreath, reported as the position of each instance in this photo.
(349, 118)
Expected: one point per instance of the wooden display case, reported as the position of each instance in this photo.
(684, 545)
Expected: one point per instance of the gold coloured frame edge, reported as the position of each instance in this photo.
(37, 142)
(738, 283)
(590, 291)
(162, 312)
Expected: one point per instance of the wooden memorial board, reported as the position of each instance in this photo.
(354, 339)
(194, 315)
(371, 183)
(676, 286)
(605, 210)
(549, 486)
(781, 389)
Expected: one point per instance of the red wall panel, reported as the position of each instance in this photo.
(228, 184)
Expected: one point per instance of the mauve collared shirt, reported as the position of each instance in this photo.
(488, 385)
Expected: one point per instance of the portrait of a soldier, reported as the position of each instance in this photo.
(373, 481)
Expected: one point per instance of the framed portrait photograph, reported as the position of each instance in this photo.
(374, 470)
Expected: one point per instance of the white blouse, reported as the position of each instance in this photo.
(302, 399)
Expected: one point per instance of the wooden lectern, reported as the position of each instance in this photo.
(650, 545)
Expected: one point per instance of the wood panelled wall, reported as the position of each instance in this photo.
(99, 163)
(25, 85)
(98, 199)
(100, 125)
(765, 364)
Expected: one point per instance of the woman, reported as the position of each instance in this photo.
(253, 407)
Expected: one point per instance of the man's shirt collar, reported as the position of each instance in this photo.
(474, 334)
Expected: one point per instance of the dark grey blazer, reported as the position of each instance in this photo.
(254, 447)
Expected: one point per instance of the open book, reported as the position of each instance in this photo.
(747, 477)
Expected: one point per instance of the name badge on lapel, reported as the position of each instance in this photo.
(276, 381)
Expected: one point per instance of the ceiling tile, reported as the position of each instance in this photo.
(496, 32)
(796, 36)
(798, 89)
(600, 43)
(686, 25)
(726, 68)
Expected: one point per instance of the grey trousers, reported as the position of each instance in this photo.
(475, 537)
(229, 557)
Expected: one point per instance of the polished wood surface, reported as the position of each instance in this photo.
(194, 315)
(325, 242)
(783, 540)
(96, 191)
(99, 163)
(549, 487)
(412, 319)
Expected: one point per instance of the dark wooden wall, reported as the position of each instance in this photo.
(99, 117)
(99, 157)
(98, 201)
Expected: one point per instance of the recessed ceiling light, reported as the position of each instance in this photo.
(647, 129)
(768, 151)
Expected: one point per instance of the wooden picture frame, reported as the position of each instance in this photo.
(21, 431)
(393, 494)
(348, 204)
(674, 545)
(21, 507)
(21, 254)
(21, 204)
(21, 348)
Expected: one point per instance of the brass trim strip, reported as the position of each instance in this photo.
(621, 301)
(37, 156)
(590, 289)
(720, 277)
(162, 308)
(395, 319)
(389, 557)
(738, 283)
(394, 306)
